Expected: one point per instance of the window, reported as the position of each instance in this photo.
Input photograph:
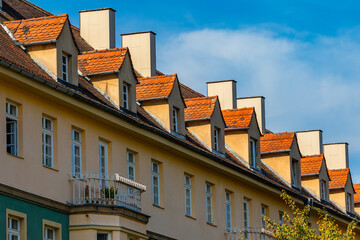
(49, 234)
(12, 129)
(65, 68)
(130, 158)
(187, 183)
(126, 96)
(155, 183)
(216, 139)
(103, 161)
(281, 217)
(253, 153)
(175, 114)
(13, 228)
(76, 152)
(294, 174)
(348, 202)
(228, 210)
(323, 190)
(209, 200)
(246, 219)
(263, 214)
(47, 142)
(103, 236)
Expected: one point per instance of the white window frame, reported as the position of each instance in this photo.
(46, 236)
(12, 119)
(216, 138)
(323, 190)
(294, 173)
(48, 132)
(263, 214)
(65, 74)
(13, 231)
(76, 143)
(155, 172)
(253, 153)
(126, 96)
(187, 191)
(228, 219)
(175, 120)
(209, 203)
(348, 202)
(130, 165)
(246, 219)
(103, 170)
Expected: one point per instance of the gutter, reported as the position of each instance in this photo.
(199, 119)
(149, 99)
(103, 73)
(309, 175)
(277, 151)
(39, 43)
(233, 129)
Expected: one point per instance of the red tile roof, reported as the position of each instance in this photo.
(101, 61)
(238, 118)
(188, 92)
(22, 9)
(156, 87)
(311, 164)
(276, 141)
(338, 178)
(36, 30)
(357, 194)
(199, 108)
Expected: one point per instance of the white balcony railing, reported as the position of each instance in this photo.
(248, 234)
(106, 189)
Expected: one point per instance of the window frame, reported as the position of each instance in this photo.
(130, 164)
(263, 214)
(155, 174)
(108, 237)
(294, 173)
(216, 138)
(74, 144)
(175, 119)
(50, 133)
(281, 217)
(15, 120)
(126, 90)
(22, 223)
(246, 218)
(228, 210)
(209, 203)
(65, 74)
(188, 194)
(348, 202)
(323, 190)
(253, 162)
(46, 237)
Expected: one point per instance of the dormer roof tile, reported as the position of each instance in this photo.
(357, 193)
(156, 87)
(238, 118)
(36, 30)
(199, 108)
(338, 178)
(311, 164)
(276, 141)
(101, 61)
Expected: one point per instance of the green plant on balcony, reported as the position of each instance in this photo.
(109, 193)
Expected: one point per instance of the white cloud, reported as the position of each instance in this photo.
(310, 82)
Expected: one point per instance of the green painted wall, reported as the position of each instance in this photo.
(35, 215)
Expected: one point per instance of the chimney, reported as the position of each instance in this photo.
(142, 50)
(259, 104)
(97, 27)
(226, 92)
(310, 142)
(337, 155)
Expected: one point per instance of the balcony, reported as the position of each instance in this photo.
(248, 234)
(93, 188)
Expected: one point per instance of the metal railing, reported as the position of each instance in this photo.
(248, 234)
(106, 189)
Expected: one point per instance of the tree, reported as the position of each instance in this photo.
(297, 227)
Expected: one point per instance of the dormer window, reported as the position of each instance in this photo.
(65, 68)
(175, 114)
(216, 139)
(294, 173)
(323, 190)
(348, 202)
(252, 153)
(126, 96)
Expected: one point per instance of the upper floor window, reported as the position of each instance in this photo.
(323, 190)
(103, 236)
(263, 215)
(47, 142)
(126, 96)
(252, 153)
(103, 161)
(65, 68)
(175, 120)
(155, 171)
(12, 129)
(130, 159)
(14, 228)
(216, 139)
(228, 210)
(76, 152)
(187, 187)
(294, 173)
(209, 200)
(281, 217)
(348, 202)
(49, 234)
(246, 219)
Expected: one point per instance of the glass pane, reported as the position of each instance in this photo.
(14, 224)
(130, 157)
(14, 237)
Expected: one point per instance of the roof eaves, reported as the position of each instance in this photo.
(276, 151)
(310, 174)
(102, 73)
(198, 119)
(234, 129)
(39, 43)
(151, 99)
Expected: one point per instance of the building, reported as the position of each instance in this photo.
(101, 145)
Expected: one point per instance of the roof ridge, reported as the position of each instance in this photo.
(103, 51)
(37, 18)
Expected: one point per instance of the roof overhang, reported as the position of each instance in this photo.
(276, 151)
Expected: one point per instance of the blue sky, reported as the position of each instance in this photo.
(303, 56)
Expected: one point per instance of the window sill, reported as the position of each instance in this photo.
(157, 206)
(11, 155)
(190, 217)
(211, 224)
(50, 168)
